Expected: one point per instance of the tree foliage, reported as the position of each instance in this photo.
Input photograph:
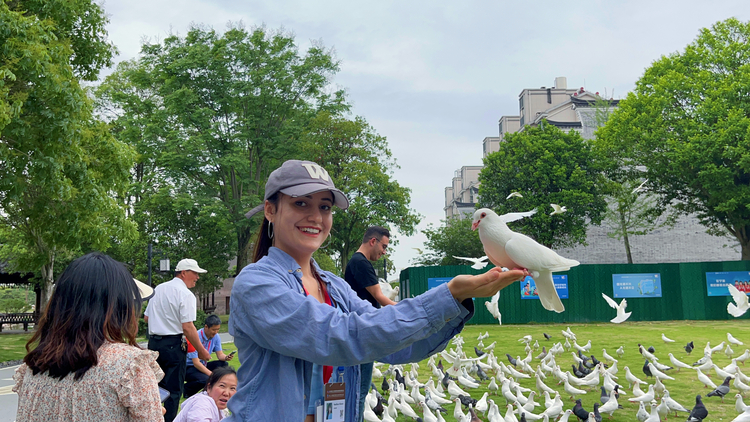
(546, 165)
(453, 238)
(60, 169)
(361, 164)
(687, 124)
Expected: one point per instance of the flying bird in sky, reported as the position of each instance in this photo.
(640, 187)
(479, 263)
(514, 194)
(557, 209)
(506, 248)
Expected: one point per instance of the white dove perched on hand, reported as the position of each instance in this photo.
(506, 248)
(479, 263)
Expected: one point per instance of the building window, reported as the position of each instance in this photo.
(501, 128)
(520, 104)
(549, 96)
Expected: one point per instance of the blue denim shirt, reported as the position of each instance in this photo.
(280, 333)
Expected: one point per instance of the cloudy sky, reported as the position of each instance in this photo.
(434, 77)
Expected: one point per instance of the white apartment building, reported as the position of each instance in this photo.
(572, 109)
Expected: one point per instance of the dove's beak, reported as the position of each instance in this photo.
(475, 224)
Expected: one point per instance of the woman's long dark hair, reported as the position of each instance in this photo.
(264, 242)
(217, 374)
(94, 300)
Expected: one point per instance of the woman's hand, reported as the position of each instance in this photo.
(466, 286)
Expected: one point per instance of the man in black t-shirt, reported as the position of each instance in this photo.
(360, 274)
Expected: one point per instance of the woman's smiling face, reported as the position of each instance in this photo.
(301, 224)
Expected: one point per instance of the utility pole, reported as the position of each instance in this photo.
(150, 255)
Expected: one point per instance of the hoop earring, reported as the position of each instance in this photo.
(270, 230)
(328, 243)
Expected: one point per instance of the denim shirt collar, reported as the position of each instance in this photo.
(286, 262)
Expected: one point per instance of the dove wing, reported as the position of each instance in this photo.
(474, 260)
(514, 216)
(739, 297)
(529, 254)
(609, 300)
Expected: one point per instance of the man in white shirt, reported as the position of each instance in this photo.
(170, 314)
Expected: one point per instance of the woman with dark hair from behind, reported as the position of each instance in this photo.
(210, 405)
(86, 365)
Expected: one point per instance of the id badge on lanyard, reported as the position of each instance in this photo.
(335, 399)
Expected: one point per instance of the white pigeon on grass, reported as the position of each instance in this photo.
(677, 363)
(733, 340)
(479, 263)
(621, 314)
(506, 248)
(736, 309)
(666, 339)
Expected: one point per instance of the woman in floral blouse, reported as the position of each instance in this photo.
(86, 365)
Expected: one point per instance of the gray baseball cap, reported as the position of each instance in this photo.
(300, 178)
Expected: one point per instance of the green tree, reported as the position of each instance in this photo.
(61, 169)
(633, 213)
(546, 165)
(361, 164)
(453, 238)
(14, 300)
(687, 125)
(211, 115)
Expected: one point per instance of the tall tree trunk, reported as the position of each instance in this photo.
(624, 227)
(48, 278)
(244, 246)
(743, 236)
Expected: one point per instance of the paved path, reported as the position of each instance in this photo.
(9, 399)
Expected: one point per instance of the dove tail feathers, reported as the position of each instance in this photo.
(545, 288)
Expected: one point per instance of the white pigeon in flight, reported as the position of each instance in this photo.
(506, 248)
(640, 187)
(479, 263)
(557, 209)
(621, 314)
(493, 307)
(514, 194)
(739, 297)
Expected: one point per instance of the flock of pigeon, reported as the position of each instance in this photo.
(454, 376)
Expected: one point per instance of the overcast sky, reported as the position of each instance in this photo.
(434, 77)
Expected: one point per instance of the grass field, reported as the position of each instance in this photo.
(13, 346)
(610, 337)
(607, 336)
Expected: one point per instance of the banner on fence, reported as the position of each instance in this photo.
(716, 283)
(528, 287)
(636, 285)
(436, 281)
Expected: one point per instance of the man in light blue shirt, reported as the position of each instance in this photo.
(198, 370)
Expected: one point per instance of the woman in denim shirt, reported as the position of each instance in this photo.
(289, 318)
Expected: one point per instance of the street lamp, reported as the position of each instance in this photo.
(163, 263)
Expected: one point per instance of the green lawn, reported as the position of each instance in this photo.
(611, 336)
(13, 346)
(608, 336)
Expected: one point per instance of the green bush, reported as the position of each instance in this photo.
(200, 319)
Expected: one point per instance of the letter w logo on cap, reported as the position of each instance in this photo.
(316, 172)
